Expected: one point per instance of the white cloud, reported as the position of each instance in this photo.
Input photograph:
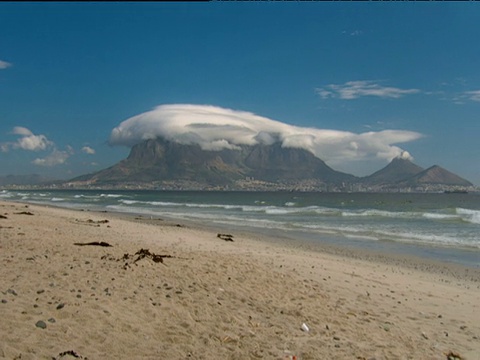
(88, 150)
(19, 130)
(4, 64)
(27, 141)
(215, 128)
(464, 97)
(473, 95)
(355, 89)
(33, 143)
(57, 157)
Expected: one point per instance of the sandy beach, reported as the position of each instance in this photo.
(195, 295)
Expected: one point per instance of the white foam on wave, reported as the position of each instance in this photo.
(393, 234)
(435, 216)
(129, 202)
(111, 195)
(361, 237)
(472, 216)
(374, 213)
(6, 194)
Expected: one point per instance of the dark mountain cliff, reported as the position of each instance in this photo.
(274, 163)
(160, 160)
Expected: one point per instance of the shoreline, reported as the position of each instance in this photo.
(247, 298)
(404, 259)
(458, 247)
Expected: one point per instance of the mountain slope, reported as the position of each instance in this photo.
(436, 175)
(397, 170)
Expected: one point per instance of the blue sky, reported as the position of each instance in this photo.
(391, 76)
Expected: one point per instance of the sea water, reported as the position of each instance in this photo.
(441, 226)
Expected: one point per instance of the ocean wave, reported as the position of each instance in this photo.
(111, 195)
(6, 194)
(460, 215)
(472, 216)
(379, 213)
(130, 202)
(429, 239)
(438, 216)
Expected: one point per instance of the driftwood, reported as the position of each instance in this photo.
(24, 213)
(226, 237)
(94, 243)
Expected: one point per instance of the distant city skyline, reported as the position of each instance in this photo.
(355, 83)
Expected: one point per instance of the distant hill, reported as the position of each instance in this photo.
(33, 179)
(436, 175)
(168, 164)
(397, 170)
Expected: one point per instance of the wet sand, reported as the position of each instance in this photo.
(195, 295)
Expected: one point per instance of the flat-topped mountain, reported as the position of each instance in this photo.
(163, 160)
(168, 164)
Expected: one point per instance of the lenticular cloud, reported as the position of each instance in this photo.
(216, 128)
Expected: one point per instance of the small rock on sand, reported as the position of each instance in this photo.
(41, 324)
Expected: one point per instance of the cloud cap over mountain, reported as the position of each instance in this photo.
(216, 128)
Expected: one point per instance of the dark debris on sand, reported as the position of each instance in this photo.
(139, 255)
(94, 243)
(226, 237)
(24, 213)
(69, 353)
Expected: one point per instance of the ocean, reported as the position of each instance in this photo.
(443, 227)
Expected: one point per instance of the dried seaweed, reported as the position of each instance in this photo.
(226, 237)
(139, 255)
(145, 253)
(71, 353)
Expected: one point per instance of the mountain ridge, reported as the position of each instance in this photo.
(160, 159)
(168, 164)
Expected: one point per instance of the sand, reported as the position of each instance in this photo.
(208, 298)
